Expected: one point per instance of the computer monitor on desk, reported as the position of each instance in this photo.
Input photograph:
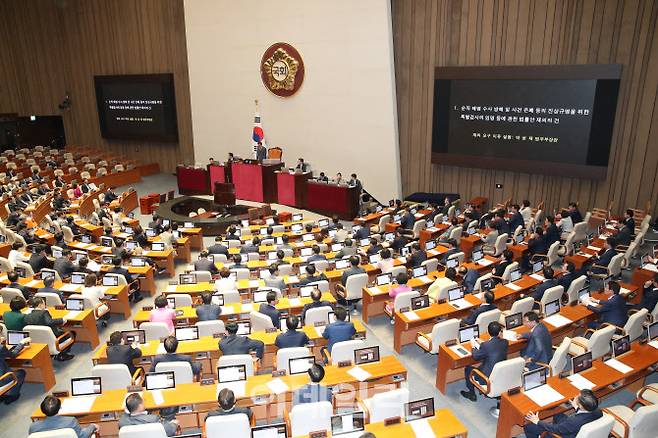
(86, 386)
(534, 379)
(469, 332)
(163, 380)
(416, 410)
(348, 424)
(581, 362)
(133, 336)
(75, 304)
(621, 345)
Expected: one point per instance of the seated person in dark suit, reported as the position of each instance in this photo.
(171, 345)
(311, 276)
(628, 221)
(407, 221)
(226, 401)
(40, 316)
(649, 295)
(469, 276)
(316, 296)
(517, 219)
(251, 247)
(548, 283)
(316, 256)
(506, 260)
(624, 236)
(231, 233)
(64, 265)
(322, 178)
(269, 308)
(50, 406)
(120, 353)
(417, 257)
(292, 337)
(9, 353)
(540, 343)
(13, 283)
(234, 344)
(340, 330)
(536, 246)
(489, 354)
(48, 284)
(208, 311)
(14, 319)
(486, 306)
(552, 233)
(38, 259)
(613, 310)
(586, 407)
(399, 241)
(352, 270)
(313, 392)
(375, 247)
(574, 213)
(604, 259)
(137, 414)
(569, 275)
(218, 248)
(361, 233)
(203, 264)
(453, 248)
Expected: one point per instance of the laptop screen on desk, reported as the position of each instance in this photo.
(270, 431)
(348, 423)
(455, 293)
(552, 307)
(86, 386)
(420, 302)
(137, 262)
(652, 331)
(297, 217)
(15, 337)
(514, 275)
(163, 380)
(322, 223)
(231, 373)
(300, 365)
(110, 280)
(537, 266)
(260, 296)
(621, 345)
(76, 304)
(430, 244)
(415, 410)
(187, 279)
(157, 246)
(452, 263)
(190, 333)
(342, 264)
(477, 255)
(130, 336)
(419, 271)
(582, 362)
(384, 279)
(469, 332)
(534, 379)
(366, 355)
(244, 328)
(513, 321)
(78, 278)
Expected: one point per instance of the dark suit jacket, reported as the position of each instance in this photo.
(269, 310)
(42, 317)
(649, 299)
(123, 354)
(312, 278)
(338, 331)
(205, 265)
(543, 287)
(208, 312)
(235, 410)
(218, 249)
(313, 305)
(175, 357)
(350, 271)
(551, 235)
(448, 253)
(64, 267)
(566, 279)
(499, 269)
(38, 262)
(570, 426)
(398, 243)
(417, 258)
(361, 233)
(470, 319)
(539, 347)
(490, 353)
(20, 287)
(612, 311)
(234, 344)
(407, 221)
(121, 271)
(515, 221)
(576, 216)
(54, 291)
(537, 246)
(291, 338)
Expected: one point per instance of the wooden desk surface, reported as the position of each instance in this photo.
(444, 424)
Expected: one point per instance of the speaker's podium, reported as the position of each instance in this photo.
(224, 193)
(291, 188)
(255, 181)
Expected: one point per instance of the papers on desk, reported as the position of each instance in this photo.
(3, 277)
(433, 252)
(411, 315)
(650, 267)
(247, 308)
(484, 262)
(557, 320)
(422, 428)
(513, 286)
(94, 248)
(459, 350)
(158, 398)
(359, 374)
(432, 229)
(72, 314)
(510, 335)
(70, 287)
(375, 290)
(293, 279)
(580, 382)
(320, 330)
(226, 309)
(621, 367)
(76, 405)
(537, 277)
(543, 395)
(593, 248)
(171, 288)
(460, 303)
(624, 291)
(425, 279)
(479, 296)
(654, 344)
(238, 388)
(32, 283)
(583, 254)
(418, 215)
(160, 349)
(277, 386)
(254, 283)
(295, 302)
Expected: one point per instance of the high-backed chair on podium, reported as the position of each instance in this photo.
(275, 153)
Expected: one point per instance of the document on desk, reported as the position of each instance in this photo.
(3, 278)
(292, 279)
(70, 287)
(375, 290)
(459, 350)
(277, 386)
(295, 302)
(254, 283)
(359, 373)
(537, 277)
(72, 314)
(580, 382)
(433, 252)
(425, 279)
(484, 262)
(32, 283)
(422, 428)
(158, 398)
(239, 388)
(621, 367)
(513, 286)
(582, 254)
(432, 229)
(247, 308)
(76, 405)
(557, 320)
(510, 335)
(650, 267)
(411, 315)
(593, 248)
(544, 395)
(460, 303)
(654, 344)
(624, 291)
(171, 288)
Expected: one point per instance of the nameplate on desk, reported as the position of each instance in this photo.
(61, 394)
(270, 330)
(147, 308)
(216, 335)
(344, 363)
(60, 307)
(404, 309)
(207, 380)
(318, 434)
(513, 391)
(320, 324)
(278, 373)
(451, 342)
(172, 283)
(391, 421)
(134, 388)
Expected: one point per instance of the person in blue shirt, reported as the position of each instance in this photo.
(340, 330)
(292, 337)
(613, 310)
(50, 406)
(586, 407)
(313, 392)
(540, 343)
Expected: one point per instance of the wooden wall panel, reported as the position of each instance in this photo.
(50, 47)
(432, 33)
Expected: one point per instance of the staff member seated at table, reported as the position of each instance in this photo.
(313, 392)
(6, 353)
(203, 264)
(40, 316)
(586, 407)
(449, 278)
(613, 310)
(486, 306)
(14, 319)
(208, 311)
(120, 353)
(137, 414)
(374, 248)
(316, 256)
(399, 241)
(316, 296)
(546, 284)
(218, 248)
(251, 247)
(352, 270)
(540, 343)
(50, 406)
(269, 308)
(293, 337)
(226, 401)
(489, 354)
(649, 295)
(312, 276)
(234, 344)
(340, 330)
(162, 313)
(170, 346)
(226, 282)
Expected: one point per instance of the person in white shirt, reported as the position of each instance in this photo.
(385, 264)
(91, 291)
(565, 224)
(226, 282)
(341, 233)
(526, 211)
(17, 254)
